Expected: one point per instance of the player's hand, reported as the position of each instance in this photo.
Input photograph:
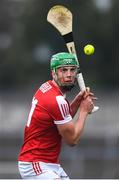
(83, 95)
(90, 94)
(87, 104)
(88, 100)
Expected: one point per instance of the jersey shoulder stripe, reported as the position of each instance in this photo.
(64, 110)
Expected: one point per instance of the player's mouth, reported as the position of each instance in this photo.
(69, 81)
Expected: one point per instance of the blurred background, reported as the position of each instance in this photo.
(27, 42)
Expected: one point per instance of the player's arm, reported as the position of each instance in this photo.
(74, 106)
(76, 103)
(71, 131)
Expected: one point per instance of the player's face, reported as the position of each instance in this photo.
(66, 76)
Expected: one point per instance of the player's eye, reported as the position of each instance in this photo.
(73, 70)
(64, 70)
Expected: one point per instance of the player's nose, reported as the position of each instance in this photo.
(69, 72)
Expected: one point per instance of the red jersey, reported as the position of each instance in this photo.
(42, 141)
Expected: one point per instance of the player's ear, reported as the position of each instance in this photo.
(53, 74)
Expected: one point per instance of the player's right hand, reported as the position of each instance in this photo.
(87, 103)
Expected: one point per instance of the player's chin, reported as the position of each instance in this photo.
(68, 86)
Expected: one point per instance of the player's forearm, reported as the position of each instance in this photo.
(71, 131)
(79, 126)
(74, 106)
(76, 103)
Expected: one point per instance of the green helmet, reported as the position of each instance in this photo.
(63, 59)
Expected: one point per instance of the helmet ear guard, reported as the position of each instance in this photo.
(63, 59)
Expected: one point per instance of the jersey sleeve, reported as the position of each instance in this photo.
(61, 111)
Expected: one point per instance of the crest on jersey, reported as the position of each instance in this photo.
(45, 87)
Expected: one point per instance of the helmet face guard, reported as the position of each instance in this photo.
(63, 59)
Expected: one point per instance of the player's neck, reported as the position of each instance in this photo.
(60, 88)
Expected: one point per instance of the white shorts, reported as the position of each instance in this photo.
(41, 170)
